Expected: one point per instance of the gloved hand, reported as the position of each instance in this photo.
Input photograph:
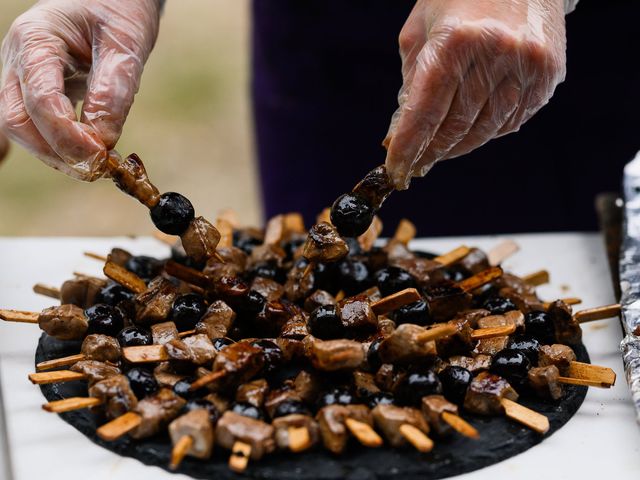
(472, 71)
(64, 51)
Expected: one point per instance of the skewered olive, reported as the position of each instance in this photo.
(104, 319)
(221, 342)
(252, 304)
(113, 293)
(539, 325)
(499, 305)
(373, 358)
(352, 276)
(245, 241)
(380, 398)
(324, 323)
(142, 382)
(247, 410)
(351, 214)
(336, 396)
(134, 337)
(289, 407)
(527, 345)
(416, 313)
(273, 356)
(393, 279)
(187, 310)
(416, 385)
(145, 267)
(511, 365)
(455, 381)
(267, 269)
(201, 403)
(183, 388)
(172, 214)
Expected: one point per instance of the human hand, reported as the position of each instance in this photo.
(61, 52)
(472, 71)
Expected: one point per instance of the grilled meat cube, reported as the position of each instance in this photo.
(220, 402)
(197, 425)
(318, 298)
(240, 361)
(544, 381)
(298, 286)
(422, 269)
(95, 371)
(485, 393)
(65, 322)
(356, 314)
(119, 256)
(472, 317)
(233, 427)
(231, 256)
(276, 397)
(165, 376)
(164, 332)
(116, 395)
(253, 392)
(373, 294)
(364, 383)
(156, 412)
(81, 291)
(307, 386)
(386, 327)
(295, 328)
(131, 177)
(389, 419)
(513, 317)
(491, 346)
(445, 301)
(458, 343)
(376, 186)
(200, 239)
(102, 348)
(404, 345)
(557, 354)
(269, 289)
(475, 261)
(291, 347)
(332, 428)
(473, 364)
(294, 420)
(217, 320)
(196, 349)
(267, 253)
(433, 406)
(324, 244)
(154, 304)
(332, 355)
(519, 292)
(388, 377)
(216, 270)
(566, 327)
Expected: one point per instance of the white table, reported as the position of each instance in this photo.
(601, 441)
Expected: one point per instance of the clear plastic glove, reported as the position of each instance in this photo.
(472, 71)
(64, 51)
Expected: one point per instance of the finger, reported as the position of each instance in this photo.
(499, 107)
(42, 83)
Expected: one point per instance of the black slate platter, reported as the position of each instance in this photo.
(499, 439)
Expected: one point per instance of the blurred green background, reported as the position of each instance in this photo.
(190, 124)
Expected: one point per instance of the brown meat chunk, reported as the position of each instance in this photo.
(356, 314)
(332, 355)
(404, 345)
(163, 333)
(217, 320)
(307, 386)
(298, 286)
(156, 412)
(544, 381)
(491, 346)
(240, 361)
(253, 392)
(567, 329)
(472, 317)
(66, 322)
(196, 349)
(364, 384)
(131, 177)
(233, 427)
(525, 303)
(200, 239)
(557, 354)
(102, 348)
(221, 403)
(473, 364)
(165, 376)
(317, 299)
(389, 419)
(324, 244)
(458, 343)
(388, 376)
(386, 327)
(291, 348)
(295, 328)
(445, 301)
(268, 288)
(81, 291)
(95, 371)
(433, 406)
(116, 395)
(276, 397)
(154, 304)
(332, 428)
(195, 424)
(485, 393)
(269, 253)
(295, 420)
(422, 269)
(475, 261)
(376, 186)
(119, 256)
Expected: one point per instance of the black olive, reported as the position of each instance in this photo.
(355, 248)
(113, 293)
(251, 304)
(373, 359)
(221, 342)
(499, 305)
(380, 398)
(247, 410)
(352, 276)
(324, 277)
(144, 267)
(289, 407)
(336, 396)
(187, 310)
(172, 214)
(272, 354)
(511, 365)
(393, 279)
(245, 241)
(416, 385)
(134, 337)
(324, 323)
(268, 269)
(351, 214)
(183, 388)
(539, 325)
(455, 381)
(527, 345)
(142, 382)
(201, 403)
(417, 313)
(104, 319)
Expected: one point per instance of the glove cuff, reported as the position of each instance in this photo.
(569, 5)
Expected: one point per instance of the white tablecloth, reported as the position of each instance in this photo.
(601, 441)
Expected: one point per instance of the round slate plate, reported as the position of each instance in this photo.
(499, 439)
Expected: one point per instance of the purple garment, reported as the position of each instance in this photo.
(325, 79)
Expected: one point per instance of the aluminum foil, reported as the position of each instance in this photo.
(630, 280)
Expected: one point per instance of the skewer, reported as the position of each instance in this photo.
(60, 362)
(274, 231)
(187, 274)
(521, 414)
(239, 458)
(502, 251)
(368, 238)
(207, 379)
(118, 427)
(70, 404)
(124, 277)
(18, 316)
(405, 231)
(438, 332)
(324, 216)
(567, 300)
(340, 295)
(604, 376)
(583, 382)
(58, 376)
(460, 425)
(299, 439)
(46, 290)
(308, 269)
(145, 354)
(416, 437)
(598, 313)
(395, 301)
(165, 238)
(180, 450)
(366, 435)
(226, 233)
(294, 223)
(186, 333)
(480, 279)
(491, 332)
(96, 256)
(453, 256)
(537, 278)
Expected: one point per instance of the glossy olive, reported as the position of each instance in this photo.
(172, 214)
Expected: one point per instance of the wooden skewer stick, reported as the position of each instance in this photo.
(405, 232)
(145, 354)
(96, 256)
(537, 278)
(226, 233)
(366, 435)
(207, 379)
(294, 223)
(70, 404)
(594, 373)
(480, 279)
(460, 425)
(230, 216)
(416, 437)
(187, 274)
(274, 230)
(567, 300)
(165, 238)
(584, 382)
(240, 454)
(491, 332)
(46, 290)
(502, 251)
(59, 362)
(180, 450)
(369, 237)
(395, 301)
(186, 333)
(308, 269)
(340, 295)
(438, 332)
(598, 313)
(324, 216)
(124, 277)
(299, 439)
(453, 256)
(527, 417)
(57, 376)
(19, 316)
(118, 427)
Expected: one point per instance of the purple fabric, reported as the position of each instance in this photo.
(325, 79)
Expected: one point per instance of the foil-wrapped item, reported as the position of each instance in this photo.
(630, 280)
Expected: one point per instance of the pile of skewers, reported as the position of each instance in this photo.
(282, 339)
